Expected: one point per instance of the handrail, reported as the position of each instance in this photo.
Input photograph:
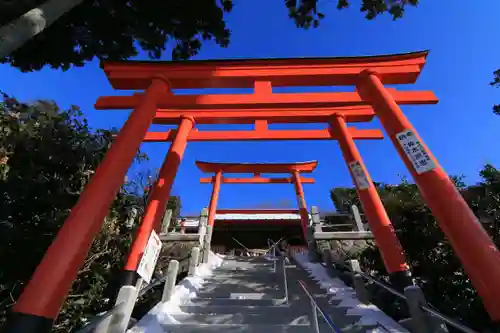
(433, 312)
(285, 280)
(327, 318)
(274, 244)
(448, 320)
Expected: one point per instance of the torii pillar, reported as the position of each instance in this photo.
(157, 200)
(385, 236)
(472, 244)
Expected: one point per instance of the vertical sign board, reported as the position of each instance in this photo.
(149, 257)
(415, 152)
(359, 175)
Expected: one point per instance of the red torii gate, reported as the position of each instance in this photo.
(295, 169)
(43, 296)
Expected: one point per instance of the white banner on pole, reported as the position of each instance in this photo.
(149, 257)
(415, 152)
(359, 175)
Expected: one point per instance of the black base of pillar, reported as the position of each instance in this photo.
(129, 278)
(27, 323)
(400, 280)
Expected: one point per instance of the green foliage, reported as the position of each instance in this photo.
(434, 265)
(109, 29)
(113, 30)
(306, 13)
(343, 198)
(47, 155)
(496, 83)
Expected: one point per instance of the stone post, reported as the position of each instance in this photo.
(328, 260)
(193, 262)
(118, 322)
(357, 218)
(359, 283)
(421, 322)
(202, 230)
(165, 224)
(168, 289)
(208, 242)
(311, 242)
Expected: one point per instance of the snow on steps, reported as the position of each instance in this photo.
(370, 314)
(187, 289)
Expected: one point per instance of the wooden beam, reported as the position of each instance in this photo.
(324, 134)
(257, 211)
(270, 115)
(242, 73)
(295, 100)
(261, 125)
(256, 168)
(257, 180)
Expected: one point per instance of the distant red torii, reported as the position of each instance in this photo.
(294, 168)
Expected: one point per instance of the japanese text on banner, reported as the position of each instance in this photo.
(150, 256)
(359, 175)
(415, 152)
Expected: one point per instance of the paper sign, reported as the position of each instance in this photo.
(415, 152)
(359, 175)
(149, 257)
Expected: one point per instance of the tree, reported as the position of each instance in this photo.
(47, 156)
(496, 83)
(432, 260)
(113, 29)
(306, 13)
(18, 32)
(343, 198)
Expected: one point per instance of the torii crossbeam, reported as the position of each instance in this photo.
(256, 169)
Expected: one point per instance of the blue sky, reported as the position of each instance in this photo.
(461, 130)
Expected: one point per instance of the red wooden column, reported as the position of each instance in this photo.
(158, 199)
(214, 198)
(385, 236)
(42, 298)
(212, 209)
(477, 252)
(299, 190)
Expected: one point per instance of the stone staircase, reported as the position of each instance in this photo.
(256, 295)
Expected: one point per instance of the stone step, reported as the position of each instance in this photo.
(231, 290)
(246, 266)
(277, 310)
(236, 270)
(236, 328)
(229, 258)
(235, 302)
(263, 317)
(240, 295)
(267, 276)
(251, 261)
(260, 278)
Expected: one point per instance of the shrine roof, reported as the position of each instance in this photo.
(242, 73)
(213, 167)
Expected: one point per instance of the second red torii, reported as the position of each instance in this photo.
(295, 169)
